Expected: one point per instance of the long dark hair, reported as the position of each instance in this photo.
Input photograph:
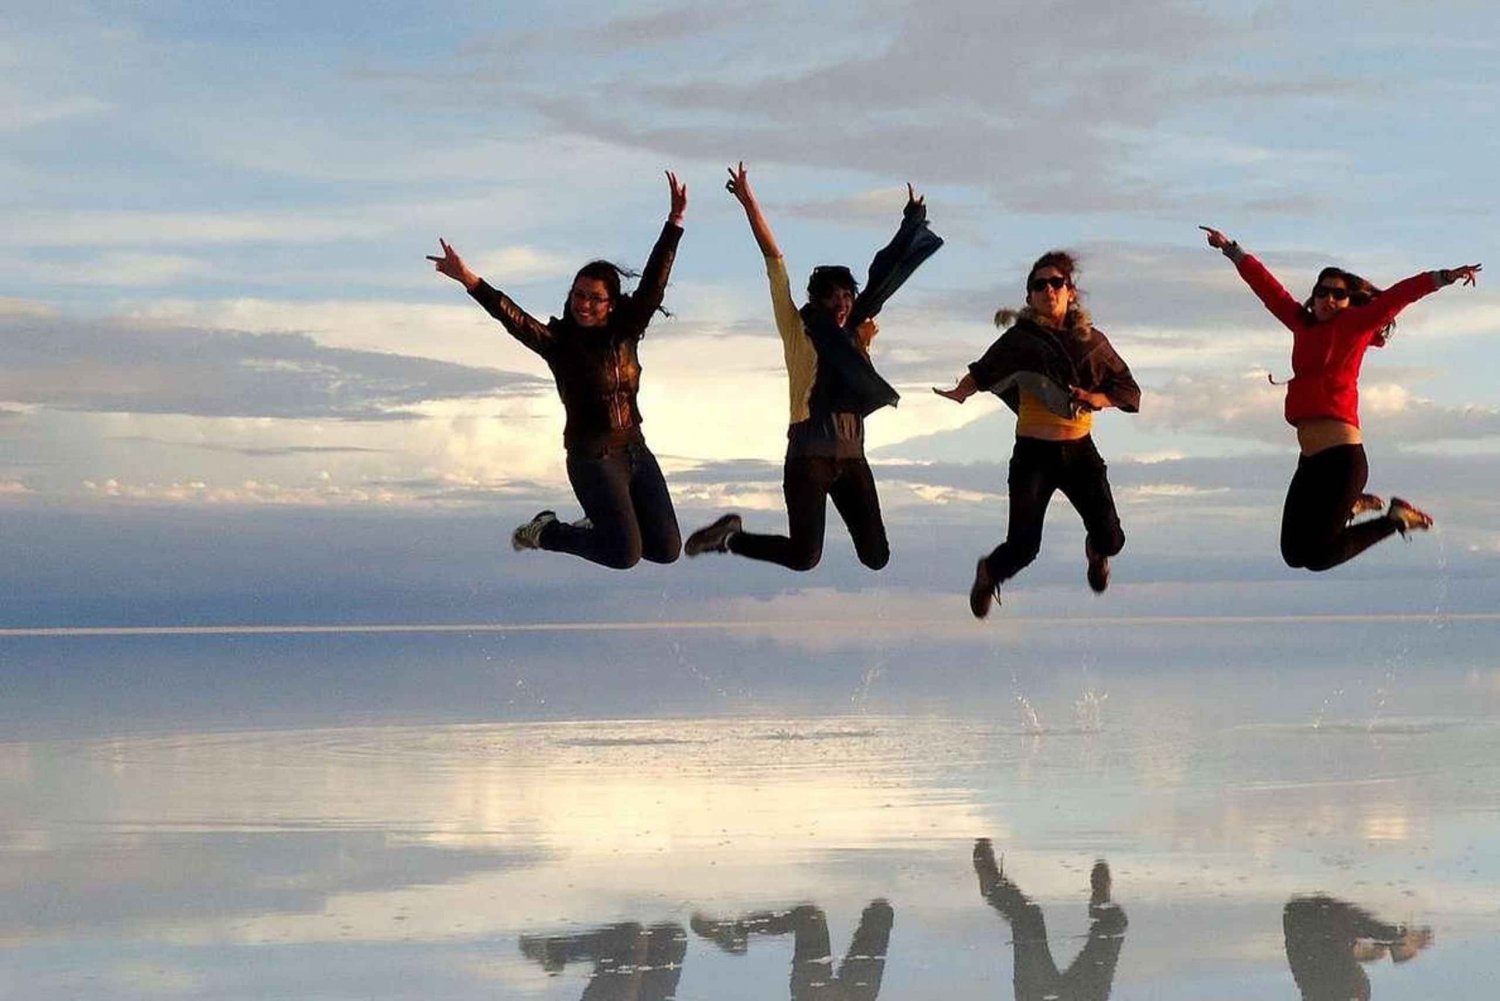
(1361, 292)
(611, 274)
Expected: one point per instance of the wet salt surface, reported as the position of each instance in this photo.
(748, 853)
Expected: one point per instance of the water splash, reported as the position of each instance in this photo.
(1088, 711)
(1030, 721)
(1317, 723)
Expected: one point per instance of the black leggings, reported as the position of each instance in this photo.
(808, 481)
(1315, 529)
(1038, 468)
(625, 497)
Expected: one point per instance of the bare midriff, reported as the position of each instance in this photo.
(1319, 433)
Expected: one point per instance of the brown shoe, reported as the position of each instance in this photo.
(1408, 518)
(984, 592)
(1365, 503)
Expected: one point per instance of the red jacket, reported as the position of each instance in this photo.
(1326, 356)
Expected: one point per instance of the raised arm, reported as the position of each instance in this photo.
(1382, 309)
(1272, 294)
(653, 284)
(518, 323)
(894, 263)
(738, 185)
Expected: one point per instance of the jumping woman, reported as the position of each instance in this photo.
(591, 351)
(833, 388)
(1054, 369)
(1344, 316)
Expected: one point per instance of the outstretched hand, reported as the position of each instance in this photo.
(956, 394)
(679, 199)
(738, 185)
(1216, 239)
(1466, 274)
(453, 266)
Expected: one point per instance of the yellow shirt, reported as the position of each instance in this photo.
(801, 356)
(1035, 421)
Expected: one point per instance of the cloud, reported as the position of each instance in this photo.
(113, 366)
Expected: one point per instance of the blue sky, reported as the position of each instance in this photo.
(214, 306)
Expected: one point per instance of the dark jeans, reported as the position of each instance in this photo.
(625, 497)
(808, 481)
(1315, 529)
(1038, 468)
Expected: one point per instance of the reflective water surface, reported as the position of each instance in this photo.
(959, 824)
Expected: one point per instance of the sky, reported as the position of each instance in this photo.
(233, 389)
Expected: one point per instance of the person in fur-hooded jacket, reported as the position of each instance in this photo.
(1054, 369)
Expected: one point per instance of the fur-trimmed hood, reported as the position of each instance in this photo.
(1078, 322)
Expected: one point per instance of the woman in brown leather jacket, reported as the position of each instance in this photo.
(591, 351)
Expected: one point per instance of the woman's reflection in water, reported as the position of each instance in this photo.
(1037, 977)
(813, 976)
(1327, 939)
(631, 962)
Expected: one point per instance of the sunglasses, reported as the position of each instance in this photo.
(1055, 282)
(1330, 292)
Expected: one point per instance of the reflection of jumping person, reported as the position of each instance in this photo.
(813, 975)
(631, 963)
(1344, 316)
(833, 388)
(1327, 939)
(1054, 369)
(1090, 976)
(592, 354)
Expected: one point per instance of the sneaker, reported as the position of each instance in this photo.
(529, 535)
(1408, 518)
(984, 592)
(1098, 572)
(1365, 503)
(585, 523)
(713, 538)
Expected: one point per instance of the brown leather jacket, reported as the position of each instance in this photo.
(597, 371)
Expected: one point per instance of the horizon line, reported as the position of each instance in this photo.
(700, 625)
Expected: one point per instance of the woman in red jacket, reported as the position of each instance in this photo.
(1331, 331)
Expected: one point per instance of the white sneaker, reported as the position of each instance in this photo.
(529, 535)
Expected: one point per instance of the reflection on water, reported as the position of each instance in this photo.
(630, 963)
(1328, 939)
(814, 976)
(1036, 976)
(827, 857)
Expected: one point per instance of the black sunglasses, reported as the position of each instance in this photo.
(1054, 282)
(1331, 292)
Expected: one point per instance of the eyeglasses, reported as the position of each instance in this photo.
(1334, 292)
(586, 298)
(1055, 282)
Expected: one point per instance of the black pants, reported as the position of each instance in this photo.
(1315, 529)
(1038, 468)
(625, 497)
(808, 481)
